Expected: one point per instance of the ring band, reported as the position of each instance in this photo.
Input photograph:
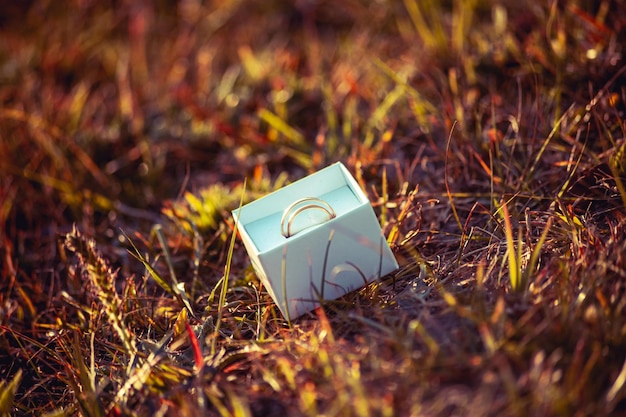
(292, 211)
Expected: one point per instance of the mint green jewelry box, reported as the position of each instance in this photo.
(315, 239)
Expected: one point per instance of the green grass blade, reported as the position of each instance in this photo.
(7, 393)
(514, 272)
(229, 259)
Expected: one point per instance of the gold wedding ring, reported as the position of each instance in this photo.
(298, 206)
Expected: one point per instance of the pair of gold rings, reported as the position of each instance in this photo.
(299, 206)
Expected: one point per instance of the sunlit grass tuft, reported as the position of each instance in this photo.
(102, 280)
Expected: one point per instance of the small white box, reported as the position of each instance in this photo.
(334, 244)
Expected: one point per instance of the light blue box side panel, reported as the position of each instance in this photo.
(357, 255)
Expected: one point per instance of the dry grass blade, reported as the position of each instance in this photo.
(102, 283)
(283, 281)
(449, 193)
(85, 388)
(138, 376)
(178, 288)
(536, 253)
(175, 288)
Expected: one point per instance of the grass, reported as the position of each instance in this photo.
(489, 136)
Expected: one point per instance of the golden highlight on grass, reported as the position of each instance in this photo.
(513, 254)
